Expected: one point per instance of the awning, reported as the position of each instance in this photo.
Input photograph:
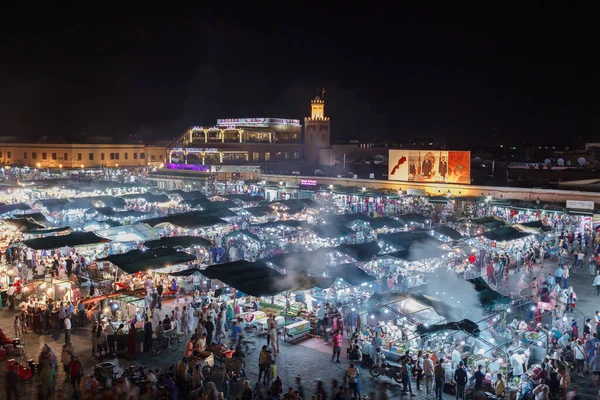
(188, 220)
(351, 274)
(177, 241)
(246, 198)
(290, 223)
(489, 222)
(24, 223)
(345, 219)
(408, 239)
(359, 251)
(385, 222)
(505, 234)
(111, 213)
(416, 253)
(140, 260)
(258, 279)
(7, 208)
(259, 211)
(245, 233)
(488, 297)
(149, 197)
(328, 231)
(47, 231)
(70, 240)
(106, 201)
(414, 218)
(448, 232)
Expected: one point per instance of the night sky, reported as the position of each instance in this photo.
(462, 75)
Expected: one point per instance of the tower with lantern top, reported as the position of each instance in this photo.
(317, 133)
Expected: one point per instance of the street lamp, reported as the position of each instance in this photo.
(449, 193)
(60, 166)
(364, 189)
(39, 165)
(116, 165)
(82, 166)
(400, 192)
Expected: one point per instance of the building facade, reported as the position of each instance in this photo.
(254, 140)
(81, 155)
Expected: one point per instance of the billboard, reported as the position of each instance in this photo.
(436, 166)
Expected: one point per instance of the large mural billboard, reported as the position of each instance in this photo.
(438, 166)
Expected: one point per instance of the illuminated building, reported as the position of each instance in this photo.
(254, 140)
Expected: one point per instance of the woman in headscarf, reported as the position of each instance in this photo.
(190, 318)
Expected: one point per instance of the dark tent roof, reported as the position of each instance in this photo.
(111, 213)
(292, 223)
(77, 203)
(190, 220)
(407, 239)
(215, 205)
(440, 307)
(381, 222)
(297, 203)
(194, 194)
(177, 241)
(537, 225)
(245, 233)
(243, 197)
(72, 239)
(359, 251)
(13, 207)
(140, 260)
(416, 218)
(258, 279)
(414, 253)
(489, 298)
(448, 232)
(37, 217)
(350, 273)
(489, 222)
(108, 201)
(301, 259)
(259, 211)
(345, 219)
(24, 223)
(505, 234)
(149, 197)
(332, 231)
(187, 272)
(220, 212)
(47, 231)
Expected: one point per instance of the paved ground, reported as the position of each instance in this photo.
(310, 359)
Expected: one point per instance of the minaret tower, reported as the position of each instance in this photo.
(317, 134)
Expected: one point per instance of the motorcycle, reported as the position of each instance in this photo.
(386, 369)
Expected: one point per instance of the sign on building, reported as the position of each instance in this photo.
(580, 205)
(436, 166)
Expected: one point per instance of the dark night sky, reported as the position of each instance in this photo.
(528, 74)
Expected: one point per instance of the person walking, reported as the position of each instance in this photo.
(597, 283)
(48, 378)
(10, 292)
(440, 376)
(407, 377)
(337, 346)
(67, 326)
(147, 334)
(460, 377)
(428, 368)
(419, 368)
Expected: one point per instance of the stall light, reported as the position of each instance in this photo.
(508, 310)
(364, 189)
(492, 340)
(565, 319)
(386, 311)
(462, 343)
(533, 308)
(353, 309)
(480, 351)
(539, 343)
(372, 316)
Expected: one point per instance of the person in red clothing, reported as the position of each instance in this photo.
(337, 345)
